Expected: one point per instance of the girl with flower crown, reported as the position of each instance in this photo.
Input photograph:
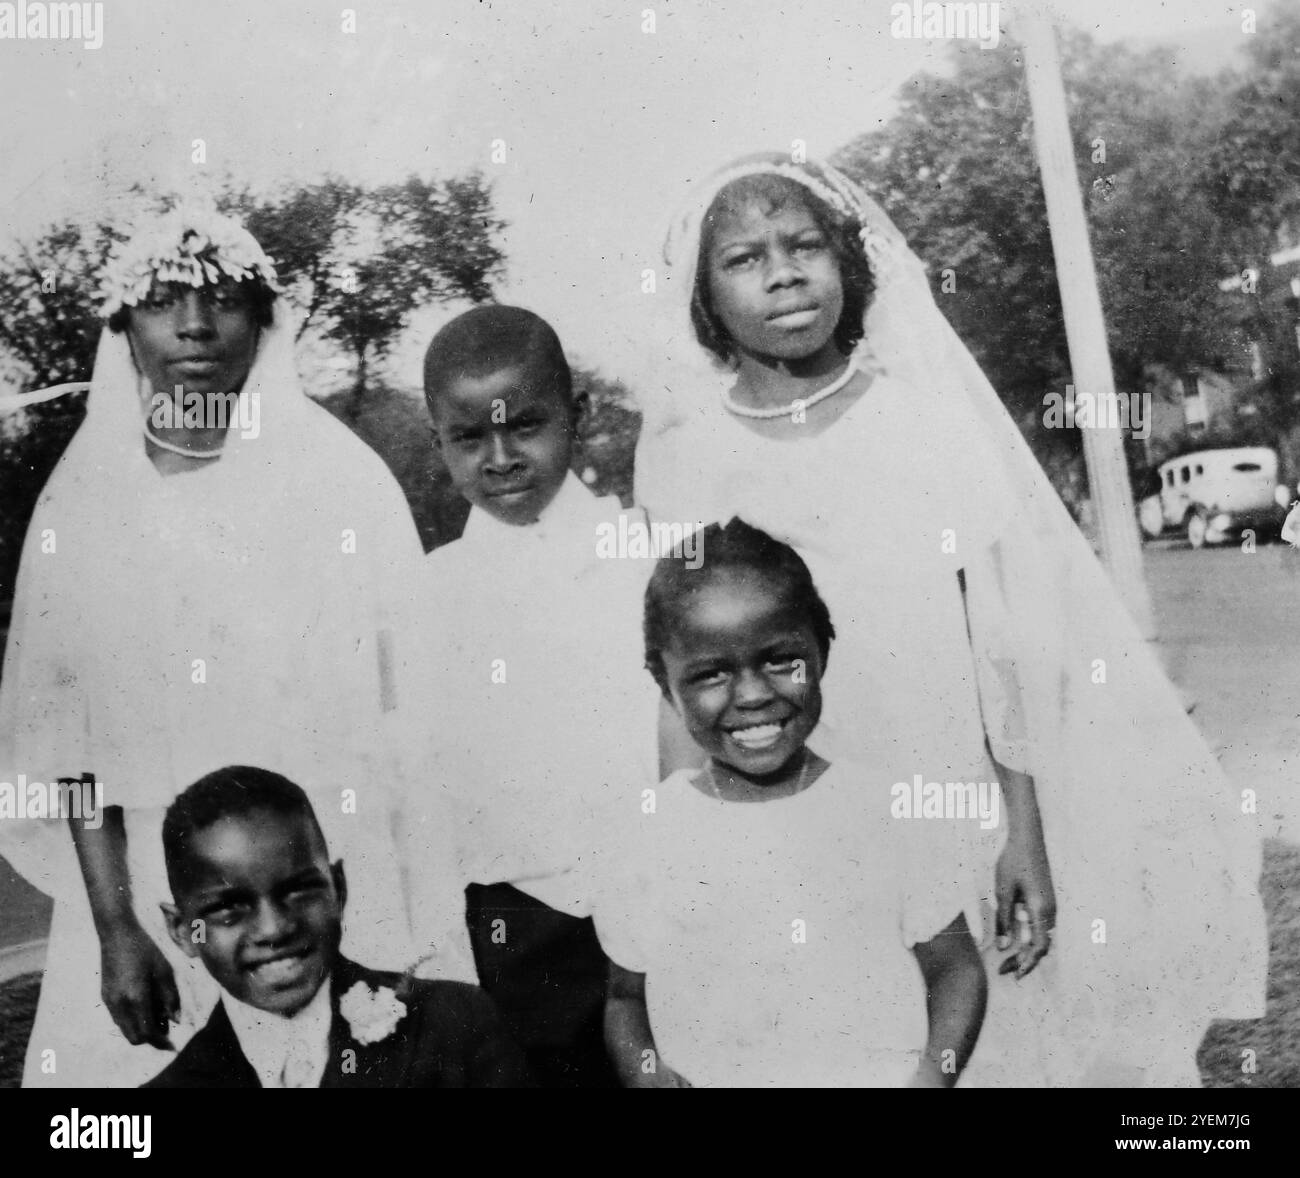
(973, 621)
(192, 595)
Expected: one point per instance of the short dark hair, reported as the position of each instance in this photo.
(843, 233)
(258, 294)
(486, 339)
(233, 792)
(736, 547)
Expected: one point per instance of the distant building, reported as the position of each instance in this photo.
(1195, 403)
(1251, 396)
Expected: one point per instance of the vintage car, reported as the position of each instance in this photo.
(1216, 495)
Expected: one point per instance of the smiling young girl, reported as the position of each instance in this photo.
(974, 623)
(758, 922)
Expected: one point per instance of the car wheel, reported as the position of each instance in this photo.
(1197, 526)
(1151, 517)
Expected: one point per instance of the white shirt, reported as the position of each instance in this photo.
(539, 708)
(285, 1052)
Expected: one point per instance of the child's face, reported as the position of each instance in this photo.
(774, 281)
(507, 439)
(271, 908)
(203, 339)
(744, 671)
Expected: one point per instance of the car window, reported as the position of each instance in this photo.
(1186, 473)
(1247, 466)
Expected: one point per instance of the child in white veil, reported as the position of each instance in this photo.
(166, 624)
(917, 474)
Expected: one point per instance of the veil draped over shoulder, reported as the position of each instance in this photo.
(1155, 856)
(164, 626)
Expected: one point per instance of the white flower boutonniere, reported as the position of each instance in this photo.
(371, 1014)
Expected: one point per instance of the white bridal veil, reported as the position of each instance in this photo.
(1155, 855)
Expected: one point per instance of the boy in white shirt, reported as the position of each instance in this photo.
(532, 673)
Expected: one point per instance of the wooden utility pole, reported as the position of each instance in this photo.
(1085, 329)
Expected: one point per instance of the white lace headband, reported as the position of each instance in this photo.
(191, 246)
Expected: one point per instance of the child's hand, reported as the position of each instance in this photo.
(1024, 887)
(139, 986)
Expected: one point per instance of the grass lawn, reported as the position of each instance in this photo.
(1275, 1038)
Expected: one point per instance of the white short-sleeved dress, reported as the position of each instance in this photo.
(775, 936)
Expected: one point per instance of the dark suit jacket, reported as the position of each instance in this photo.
(450, 1037)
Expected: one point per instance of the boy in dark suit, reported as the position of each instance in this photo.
(258, 901)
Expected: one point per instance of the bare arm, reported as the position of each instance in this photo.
(1023, 878)
(102, 855)
(628, 1037)
(956, 991)
(137, 983)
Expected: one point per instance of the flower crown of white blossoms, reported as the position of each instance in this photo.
(188, 245)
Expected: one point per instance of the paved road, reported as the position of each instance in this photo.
(1227, 620)
(1230, 630)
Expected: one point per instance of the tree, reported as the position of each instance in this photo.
(48, 332)
(1253, 173)
(956, 171)
(48, 299)
(359, 261)
(606, 451)
(396, 426)
(299, 231)
(1252, 176)
(356, 260)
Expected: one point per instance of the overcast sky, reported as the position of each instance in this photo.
(604, 124)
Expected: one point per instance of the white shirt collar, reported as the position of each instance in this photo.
(574, 512)
(268, 1039)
